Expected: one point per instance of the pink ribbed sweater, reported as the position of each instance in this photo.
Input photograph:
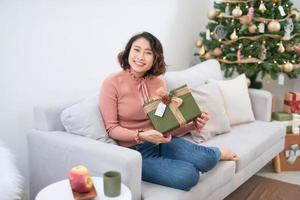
(121, 105)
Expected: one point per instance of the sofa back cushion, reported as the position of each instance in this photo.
(195, 75)
(84, 119)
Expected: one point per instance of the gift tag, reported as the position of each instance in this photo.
(208, 35)
(281, 10)
(261, 27)
(160, 110)
(281, 79)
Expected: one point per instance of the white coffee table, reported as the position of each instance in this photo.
(62, 191)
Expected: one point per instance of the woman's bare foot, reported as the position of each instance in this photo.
(227, 154)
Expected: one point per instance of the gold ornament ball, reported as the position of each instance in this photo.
(237, 12)
(199, 43)
(217, 52)
(274, 26)
(212, 14)
(252, 28)
(275, 1)
(248, 81)
(288, 67)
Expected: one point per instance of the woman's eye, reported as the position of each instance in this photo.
(137, 50)
(149, 52)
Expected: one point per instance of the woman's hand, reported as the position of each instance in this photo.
(201, 121)
(155, 137)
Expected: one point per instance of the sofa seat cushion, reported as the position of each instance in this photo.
(206, 185)
(249, 140)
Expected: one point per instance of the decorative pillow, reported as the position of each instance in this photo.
(236, 99)
(209, 99)
(195, 75)
(84, 119)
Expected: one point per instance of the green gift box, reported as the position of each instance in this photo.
(282, 116)
(180, 109)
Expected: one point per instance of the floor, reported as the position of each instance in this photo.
(290, 177)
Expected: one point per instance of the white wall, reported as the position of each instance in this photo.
(52, 51)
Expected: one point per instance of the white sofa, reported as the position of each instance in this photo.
(53, 151)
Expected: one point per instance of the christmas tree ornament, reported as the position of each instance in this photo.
(262, 7)
(227, 9)
(233, 35)
(237, 12)
(245, 20)
(212, 14)
(250, 12)
(252, 28)
(207, 35)
(199, 43)
(217, 52)
(288, 29)
(261, 27)
(248, 81)
(281, 11)
(238, 55)
(202, 50)
(275, 1)
(296, 15)
(281, 48)
(263, 52)
(288, 67)
(220, 32)
(274, 26)
(296, 48)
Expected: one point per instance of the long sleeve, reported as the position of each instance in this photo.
(109, 109)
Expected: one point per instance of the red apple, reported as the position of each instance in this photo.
(80, 180)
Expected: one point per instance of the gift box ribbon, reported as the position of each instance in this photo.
(171, 99)
(293, 104)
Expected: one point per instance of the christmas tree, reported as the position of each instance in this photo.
(255, 37)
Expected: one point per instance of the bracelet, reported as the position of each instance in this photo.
(137, 138)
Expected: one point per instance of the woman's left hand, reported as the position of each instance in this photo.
(201, 121)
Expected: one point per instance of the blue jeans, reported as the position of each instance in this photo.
(176, 164)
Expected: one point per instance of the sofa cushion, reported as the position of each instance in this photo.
(84, 119)
(236, 99)
(207, 184)
(249, 140)
(209, 99)
(195, 75)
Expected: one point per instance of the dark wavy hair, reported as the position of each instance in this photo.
(159, 65)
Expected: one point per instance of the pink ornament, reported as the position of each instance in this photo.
(251, 12)
(238, 55)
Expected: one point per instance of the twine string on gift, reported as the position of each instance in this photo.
(172, 100)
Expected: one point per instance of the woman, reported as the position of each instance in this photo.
(168, 159)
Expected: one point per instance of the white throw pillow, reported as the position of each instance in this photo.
(236, 99)
(195, 75)
(84, 119)
(209, 99)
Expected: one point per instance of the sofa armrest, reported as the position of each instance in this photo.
(261, 101)
(53, 154)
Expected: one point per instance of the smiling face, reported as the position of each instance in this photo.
(140, 57)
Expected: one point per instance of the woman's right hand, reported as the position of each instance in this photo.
(155, 137)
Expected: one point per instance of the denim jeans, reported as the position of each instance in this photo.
(176, 164)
